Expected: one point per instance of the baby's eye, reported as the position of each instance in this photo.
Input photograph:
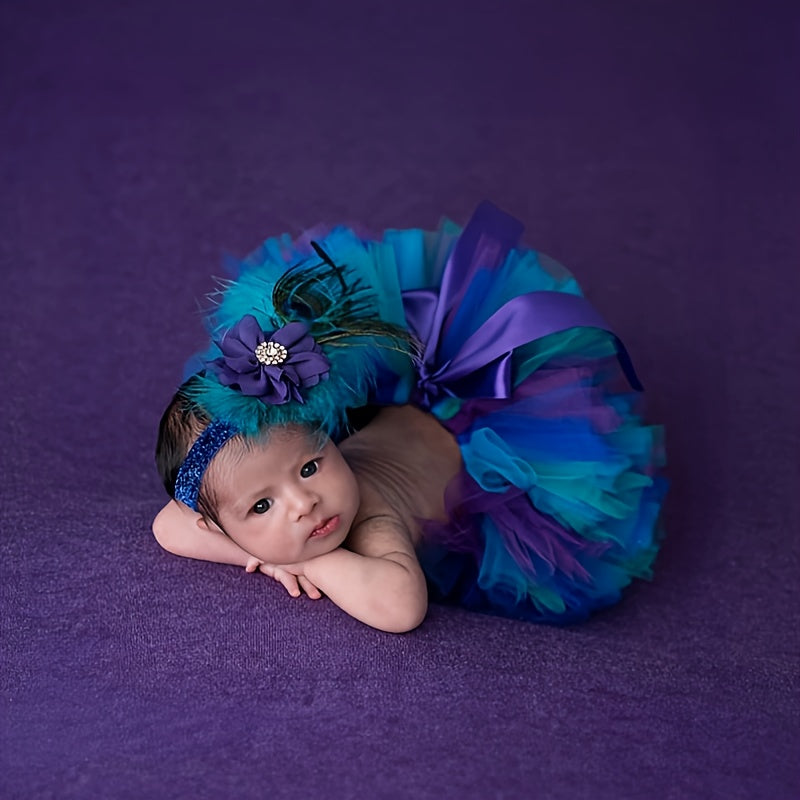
(307, 470)
(262, 506)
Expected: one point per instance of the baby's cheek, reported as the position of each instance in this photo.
(354, 491)
(273, 554)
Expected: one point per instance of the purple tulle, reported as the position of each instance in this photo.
(299, 362)
(581, 398)
(535, 541)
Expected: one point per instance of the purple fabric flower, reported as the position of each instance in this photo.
(274, 366)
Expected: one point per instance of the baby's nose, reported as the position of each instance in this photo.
(303, 502)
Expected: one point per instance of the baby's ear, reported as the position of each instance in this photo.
(208, 525)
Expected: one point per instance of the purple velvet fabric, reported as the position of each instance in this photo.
(651, 147)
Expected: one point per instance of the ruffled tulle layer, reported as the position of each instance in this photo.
(555, 509)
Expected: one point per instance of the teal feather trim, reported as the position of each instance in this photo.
(339, 304)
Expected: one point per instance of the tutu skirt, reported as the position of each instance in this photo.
(555, 509)
(556, 506)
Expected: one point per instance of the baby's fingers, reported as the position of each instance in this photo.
(288, 581)
(308, 587)
(253, 564)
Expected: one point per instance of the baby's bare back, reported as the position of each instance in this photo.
(407, 458)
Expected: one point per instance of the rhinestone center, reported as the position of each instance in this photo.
(271, 353)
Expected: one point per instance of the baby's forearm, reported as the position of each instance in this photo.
(386, 592)
(177, 530)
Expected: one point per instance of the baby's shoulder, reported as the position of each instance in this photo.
(404, 459)
(402, 428)
(403, 440)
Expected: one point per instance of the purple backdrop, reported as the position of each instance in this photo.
(650, 146)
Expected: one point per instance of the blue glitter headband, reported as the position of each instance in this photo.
(190, 474)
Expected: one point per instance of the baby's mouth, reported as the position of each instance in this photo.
(329, 526)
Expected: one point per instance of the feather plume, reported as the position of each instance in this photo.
(340, 309)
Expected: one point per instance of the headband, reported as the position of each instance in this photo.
(207, 445)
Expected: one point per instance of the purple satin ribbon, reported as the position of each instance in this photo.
(482, 365)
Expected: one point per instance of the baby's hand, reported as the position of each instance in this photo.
(295, 584)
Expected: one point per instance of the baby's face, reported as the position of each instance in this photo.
(287, 500)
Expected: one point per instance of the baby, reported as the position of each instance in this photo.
(508, 468)
(318, 518)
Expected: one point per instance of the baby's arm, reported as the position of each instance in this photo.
(385, 589)
(184, 532)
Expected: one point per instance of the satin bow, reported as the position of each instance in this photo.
(481, 366)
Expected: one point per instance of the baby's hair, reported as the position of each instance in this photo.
(181, 424)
